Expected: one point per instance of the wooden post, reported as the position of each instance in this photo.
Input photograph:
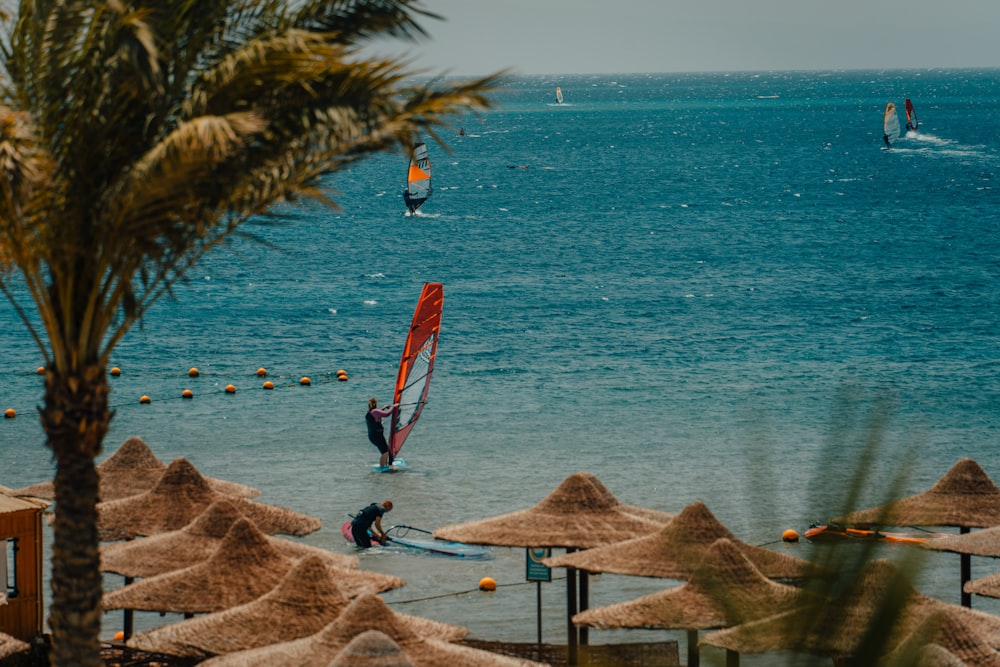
(966, 572)
(694, 657)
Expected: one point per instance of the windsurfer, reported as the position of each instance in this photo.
(376, 430)
(885, 138)
(364, 521)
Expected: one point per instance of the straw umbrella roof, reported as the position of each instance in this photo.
(178, 497)
(837, 628)
(965, 496)
(244, 567)
(302, 604)
(943, 640)
(987, 586)
(195, 542)
(367, 612)
(11, 646)
(984, 542)
(132, 470)
(372, 649)
(580, 513)
(725, 590)
(677, 549)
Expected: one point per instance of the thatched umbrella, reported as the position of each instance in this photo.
(579, 514)
(302, 604)
(194, 543)
(965, 497)
(245, 566)
(367, 612)
(677, 549)
(178, 498)
(132, 470)
(878, 608)
(10, 646)
(372, 649)
(725, 590)
(943, 640)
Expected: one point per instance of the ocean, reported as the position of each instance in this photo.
(698, 287)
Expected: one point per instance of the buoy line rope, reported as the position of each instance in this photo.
(471, 590)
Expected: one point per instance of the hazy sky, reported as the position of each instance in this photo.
(615, 36)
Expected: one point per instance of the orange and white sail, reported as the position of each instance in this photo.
(416, 365)
(418, 178)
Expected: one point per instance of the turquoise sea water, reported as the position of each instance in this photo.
(696, 287)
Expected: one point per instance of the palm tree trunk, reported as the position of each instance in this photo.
(75, 419)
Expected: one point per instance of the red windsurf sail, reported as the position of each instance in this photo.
(416, 365)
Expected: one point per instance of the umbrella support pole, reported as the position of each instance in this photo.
(732, 658)
(127, 620)
(538, 598)
(584, 605)
(966, 565)
(571, 642)
(694, 658)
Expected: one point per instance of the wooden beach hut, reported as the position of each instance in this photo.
(21, 612)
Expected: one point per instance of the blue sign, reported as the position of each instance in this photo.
(536, 570)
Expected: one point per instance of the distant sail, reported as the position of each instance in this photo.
(890, 124)
(416, 365)
(911, 116)
(559, 97)
(418, 178)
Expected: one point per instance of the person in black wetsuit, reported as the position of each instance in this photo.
(366, 519)
(376, 430)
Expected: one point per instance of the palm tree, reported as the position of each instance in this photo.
(135, 135)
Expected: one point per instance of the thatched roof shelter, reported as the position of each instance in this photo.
(131, 470)
(244, 567)
(372, 649)
(302, 604)
(984, 542)
(943, 640)
(725, 590)
(880, 607)
(367, 612)
(10, 646)
(965, 497)
(580, 513)
(178, 498)
(677, 549)
(194, 543)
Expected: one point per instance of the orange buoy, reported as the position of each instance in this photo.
(41, 370)
(342, 378)
(9, 413)
(114, 371)
(305, 381)
(194, 372)
(790, 535)
(341, 372)
(487, 584)
(187, 393)
(145, 399)
(230, 389)
(261, 372)
(268, 385)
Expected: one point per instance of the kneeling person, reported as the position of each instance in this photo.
(366, 518)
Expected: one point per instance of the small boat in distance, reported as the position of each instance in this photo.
(890, 124)
(911, 116)
(559, 97)
(418, 179)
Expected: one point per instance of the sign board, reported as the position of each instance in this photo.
(536, 570)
